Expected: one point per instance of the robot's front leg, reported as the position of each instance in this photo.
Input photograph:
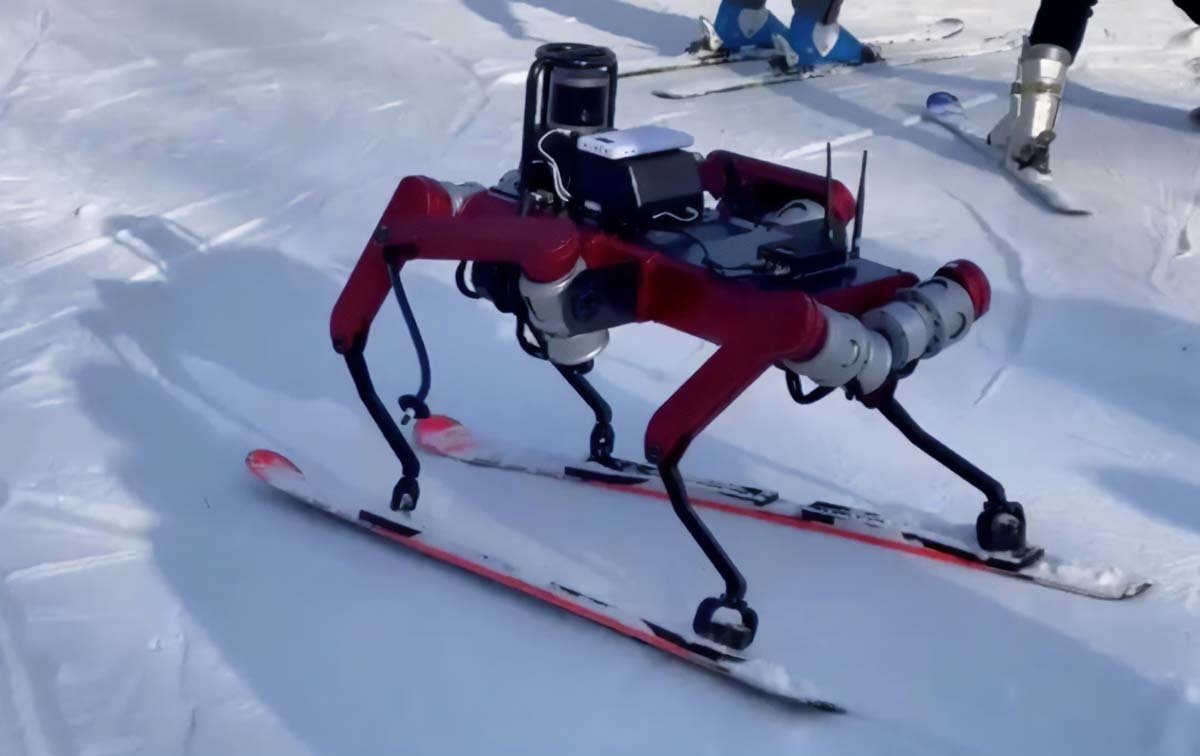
(870, 355)
(703, 397)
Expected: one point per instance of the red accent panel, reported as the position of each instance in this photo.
(701, 399)
(755, 329)
(769, 186)
(419, 217)
(368, 285)
(487, 204)
(691, 299)
(546, 249)
(857, 300)
(972, 278)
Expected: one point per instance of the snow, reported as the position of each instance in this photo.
(184, 187)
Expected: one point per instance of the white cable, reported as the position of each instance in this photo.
(668, 214)
(559, 189)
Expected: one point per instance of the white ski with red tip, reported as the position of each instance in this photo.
(762, 676)
(447, 437)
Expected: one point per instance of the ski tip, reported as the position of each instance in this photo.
(1137, 589)
(941, 101)
(443, 435)
(263, 463)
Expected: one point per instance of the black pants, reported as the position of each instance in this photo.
(1064, 22)
(827, 10)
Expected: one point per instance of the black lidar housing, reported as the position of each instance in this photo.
(570, 86)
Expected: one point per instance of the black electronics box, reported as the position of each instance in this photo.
(632, 194)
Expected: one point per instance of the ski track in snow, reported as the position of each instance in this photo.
(470, 111)
(71, 566)
(17, 692)
(18, 73)
(1175, 233)
(1014, 266)
(182, 686)
(25, 328)
(908, 122)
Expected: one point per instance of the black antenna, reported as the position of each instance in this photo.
(828, 187)
(859, 205)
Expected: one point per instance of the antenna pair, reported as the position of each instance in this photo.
(859, 202)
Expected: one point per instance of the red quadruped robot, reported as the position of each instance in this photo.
(601, 227)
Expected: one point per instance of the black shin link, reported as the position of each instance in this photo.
(1001, 524)
(406, 491)
(602, 433)
(737, 636)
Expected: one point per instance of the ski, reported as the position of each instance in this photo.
(693, 90)
(762, 676)
(947, 111)
(934, 32)
(446, 437)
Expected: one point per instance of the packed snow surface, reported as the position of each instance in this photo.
(185, 186)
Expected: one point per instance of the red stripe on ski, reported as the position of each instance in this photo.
(263, 462)
(798, 524)
(517, 584)
(281, 474)
(446, 436)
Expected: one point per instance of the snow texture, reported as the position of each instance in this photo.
(184, 187)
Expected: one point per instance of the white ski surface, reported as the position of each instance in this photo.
(928, 538)
(947, 111)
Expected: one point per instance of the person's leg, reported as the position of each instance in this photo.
(1027, 130)
(1190, 7)
(1062, 23)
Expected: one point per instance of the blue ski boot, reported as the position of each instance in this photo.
(741, 24)
(816, 38)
